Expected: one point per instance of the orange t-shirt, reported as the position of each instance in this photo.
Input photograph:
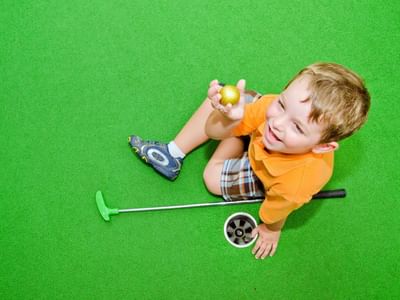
(290, 180)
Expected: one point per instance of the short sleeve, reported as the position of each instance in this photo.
(276, 208)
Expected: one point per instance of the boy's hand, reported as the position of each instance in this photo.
(233, 112)
(267, 241)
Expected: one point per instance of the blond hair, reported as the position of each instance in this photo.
(339, 99)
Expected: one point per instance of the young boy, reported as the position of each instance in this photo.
(292, 139)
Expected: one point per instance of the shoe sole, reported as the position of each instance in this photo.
(136, 150)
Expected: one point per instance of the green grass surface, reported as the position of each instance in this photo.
(77, 77)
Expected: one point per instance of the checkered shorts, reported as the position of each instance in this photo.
(238, 181)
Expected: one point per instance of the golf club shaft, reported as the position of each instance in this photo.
(222, 203)
(340, 193)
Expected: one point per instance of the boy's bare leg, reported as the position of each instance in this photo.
(193, 133)
(232, 147)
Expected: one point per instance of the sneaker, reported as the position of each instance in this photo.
(157, 155)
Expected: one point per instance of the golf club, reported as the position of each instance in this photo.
(106, 212)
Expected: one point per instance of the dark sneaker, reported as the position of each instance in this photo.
(157, 155)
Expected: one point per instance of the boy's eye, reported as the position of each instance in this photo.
(281, 104)
(298, 128)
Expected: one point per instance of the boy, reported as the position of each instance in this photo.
(292, 139)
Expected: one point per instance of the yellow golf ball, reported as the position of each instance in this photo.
(230, 94)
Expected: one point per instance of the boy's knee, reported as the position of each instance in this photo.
(211, 178)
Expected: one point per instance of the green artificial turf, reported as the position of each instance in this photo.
(77, 77)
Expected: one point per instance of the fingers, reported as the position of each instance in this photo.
(213, 92)
(214, 82)
(273, 250)
(257, 246)
(263, 249)
(264, 252)
(215, 97)
(241, 85)
(254, 232)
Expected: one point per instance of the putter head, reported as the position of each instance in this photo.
(105, 211)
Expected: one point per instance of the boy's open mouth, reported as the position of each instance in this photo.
(272, 135)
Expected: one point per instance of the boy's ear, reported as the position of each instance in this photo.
(325, 148)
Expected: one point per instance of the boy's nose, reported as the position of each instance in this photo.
(278, 123)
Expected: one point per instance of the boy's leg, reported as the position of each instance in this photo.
(167, 159)
(193, 133)
(229, 148)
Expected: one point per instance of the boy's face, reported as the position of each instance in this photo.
(288, 129)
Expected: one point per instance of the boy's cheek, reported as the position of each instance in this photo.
(293, 141)
(272, 110)
(271, 113)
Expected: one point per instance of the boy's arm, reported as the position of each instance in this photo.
(224, 119)
(277, 225)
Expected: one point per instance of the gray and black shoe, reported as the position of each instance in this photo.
(157, 155)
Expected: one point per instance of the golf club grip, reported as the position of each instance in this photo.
(339, 193)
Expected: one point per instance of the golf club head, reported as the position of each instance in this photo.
(105, 211)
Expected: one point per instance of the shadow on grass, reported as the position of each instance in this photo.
(303, 215)
(209, 148)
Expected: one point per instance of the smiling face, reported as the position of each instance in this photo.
(288, 129)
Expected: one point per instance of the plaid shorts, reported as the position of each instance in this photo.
(238, 181)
